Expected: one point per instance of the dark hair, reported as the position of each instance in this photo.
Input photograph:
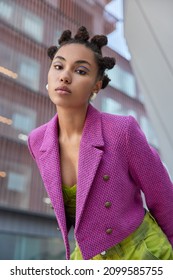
(95, 44)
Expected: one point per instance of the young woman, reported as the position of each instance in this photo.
(94, 165)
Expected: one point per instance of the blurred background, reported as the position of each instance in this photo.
(140, 38)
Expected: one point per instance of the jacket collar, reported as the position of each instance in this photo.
(92, 132)
(51, 135)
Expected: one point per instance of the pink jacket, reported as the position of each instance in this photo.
(115, 163)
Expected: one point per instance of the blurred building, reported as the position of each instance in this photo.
(28, 229)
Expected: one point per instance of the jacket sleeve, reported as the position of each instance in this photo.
(149, 173)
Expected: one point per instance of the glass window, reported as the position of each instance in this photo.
(57, 35)
(29, 72)
(122, 81)
(33, 26)
(15, 116)
(16, 182)
(22, 122)
(132, 113)
(21, 19)
(7, 58)
(116, 8)
(111, 106)
(141, 97)
(23, 247)
(5, 10)
(26, 69)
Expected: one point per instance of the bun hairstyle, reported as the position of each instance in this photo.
(95, 44)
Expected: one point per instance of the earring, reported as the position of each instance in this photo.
(93, 96)
(47, 86)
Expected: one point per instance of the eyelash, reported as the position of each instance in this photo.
(79, 71)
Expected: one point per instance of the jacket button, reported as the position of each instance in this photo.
(103, 253)
(106, 177)
(109, 231)
(108, 204)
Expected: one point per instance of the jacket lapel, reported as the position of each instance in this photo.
(50, 169)
(90, 154)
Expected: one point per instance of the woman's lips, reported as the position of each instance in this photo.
(63, 90)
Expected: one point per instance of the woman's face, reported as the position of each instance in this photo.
(72, 77)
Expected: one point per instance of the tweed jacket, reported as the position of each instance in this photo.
(115, 164)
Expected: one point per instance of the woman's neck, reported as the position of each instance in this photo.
(71, 123)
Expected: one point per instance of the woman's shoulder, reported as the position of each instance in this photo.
(117, 120)
(37, 135)
(40, 130)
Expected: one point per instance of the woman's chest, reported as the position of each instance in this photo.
(69, 154)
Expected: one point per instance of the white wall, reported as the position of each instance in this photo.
(149, 34)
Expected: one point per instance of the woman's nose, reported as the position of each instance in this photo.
(65, 78)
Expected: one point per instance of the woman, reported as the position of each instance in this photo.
(94, 165)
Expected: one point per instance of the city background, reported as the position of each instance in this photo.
(28, 229)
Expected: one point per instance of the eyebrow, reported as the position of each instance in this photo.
(77, 62)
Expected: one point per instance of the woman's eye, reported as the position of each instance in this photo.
(81, 72)
(58, 67)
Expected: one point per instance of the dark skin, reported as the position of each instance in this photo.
(74, 71)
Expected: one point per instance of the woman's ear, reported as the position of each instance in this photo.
(97, 86)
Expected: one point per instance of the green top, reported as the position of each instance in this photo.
(69, 195)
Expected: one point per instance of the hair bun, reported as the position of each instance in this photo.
(66, 36)
(99, 40)
(82, 34)
(109, 62)
(105, 81)
(51, 51)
